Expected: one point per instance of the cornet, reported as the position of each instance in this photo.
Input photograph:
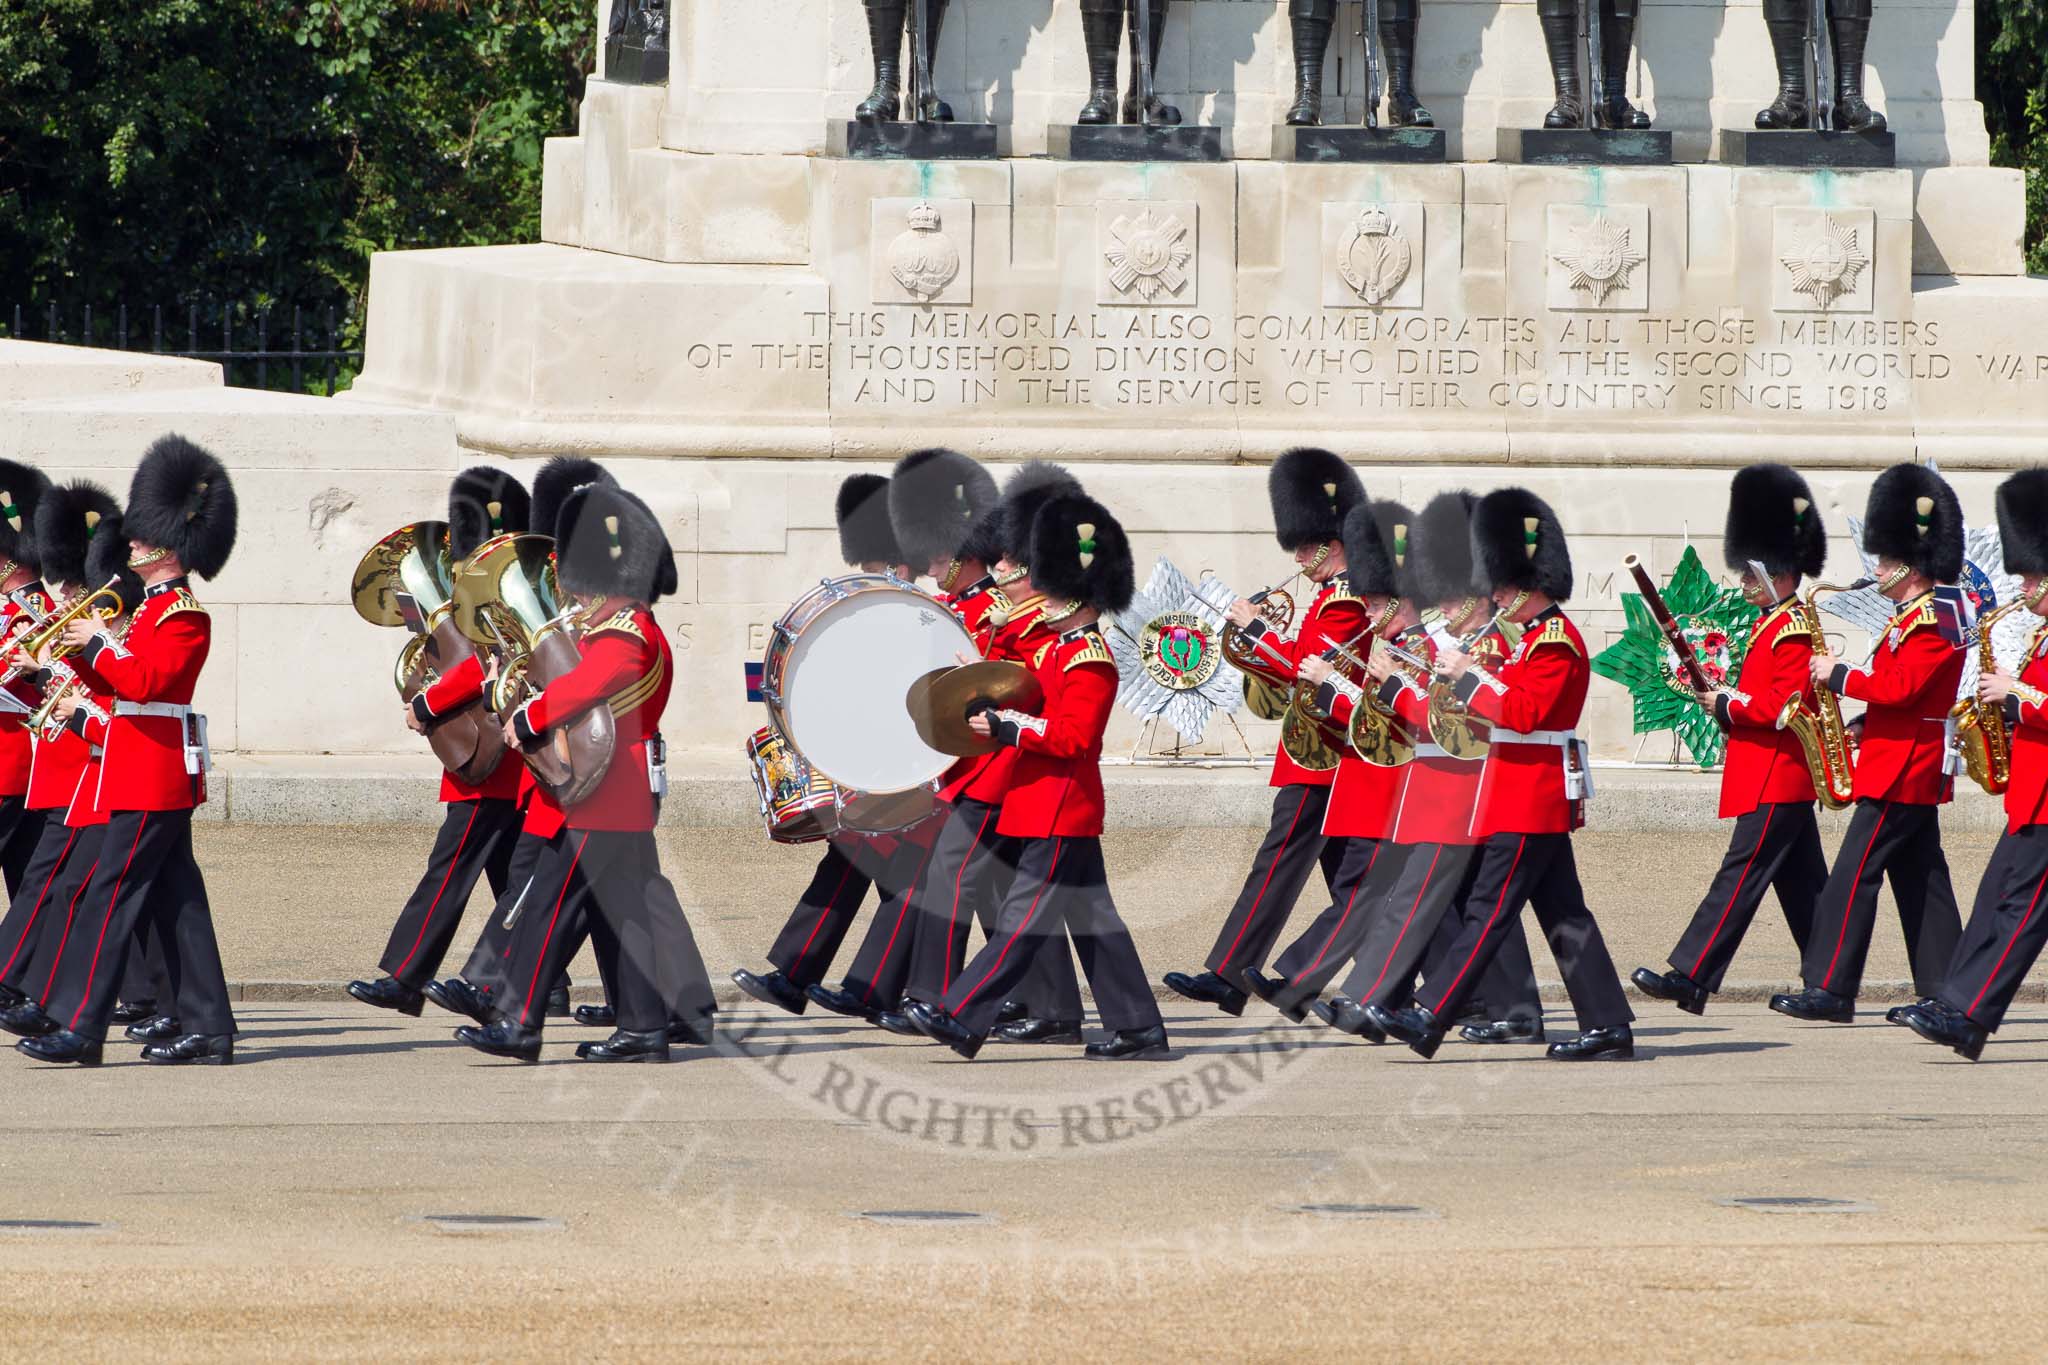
(102, 603)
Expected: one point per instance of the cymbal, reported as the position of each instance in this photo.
(939, 700)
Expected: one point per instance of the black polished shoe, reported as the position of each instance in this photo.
(1348, 1016)
(389, 993)
(1416, 1027)
(1207, 989)
(10, 997)
(1039, 1031)
(1325, 1010)
(625, 1046)
(459, 997)
(160, 1028)
(842, 1001)
(693, 1033)
(898, 1023)
(1951, 1030)
(127, 1012)
(941, 1027)
(1817, 1006)
(1130, 1045)
(558, 1003)
(1926, 1005)
(1676, 987)
(27, 1020)
(1273, 990)
(193, 1049)
(1504, 1031)
(1595, 1043)
(597, 1016)
(61, 1045)
(503, 1039)
(1010, 1011)
(773, 988)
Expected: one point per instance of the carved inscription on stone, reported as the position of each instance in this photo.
(1372, 255)
(921, 251)
(1824, 259)
(1146, 253)
(1598, 257)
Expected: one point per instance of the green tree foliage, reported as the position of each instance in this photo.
(2012, 83)
(161, 152)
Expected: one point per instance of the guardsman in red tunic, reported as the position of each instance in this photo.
(480, 821)
(602, 868)
(1359, 817)
(1531, 791)
(1311, 492)
(853, 862)
(1412, 924)
(1774, 538)
(180, 521)
(2009, 923)
(68, 520)
(1913, 525)
(1081, 563)
(21, 490)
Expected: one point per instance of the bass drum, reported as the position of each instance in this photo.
(838, 666)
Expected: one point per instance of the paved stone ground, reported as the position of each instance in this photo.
(274, 1210)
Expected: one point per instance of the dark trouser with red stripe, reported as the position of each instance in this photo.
(36, 975)
(1413, 928)
(2008, 926)
(1060, 887)
(971, 870)
(1294, 844)
(1901, 842)
(490, 966)
(610, 884)
(475, 841)
(1507, 991)
(34, 906)
(881, 966)
(21, 829)
(1537, 870)
(145, 868)
(1773, 846)
(811, 936)
(1369, 867)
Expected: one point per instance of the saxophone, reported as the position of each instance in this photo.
(1821, 732)
(1980, 727)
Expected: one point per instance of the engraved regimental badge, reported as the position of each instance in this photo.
(1600, 257)
(1375, 257)
(923, 259)
(1825, 262)
(1148, 256)
(1179, 651)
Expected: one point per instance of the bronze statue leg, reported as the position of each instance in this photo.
(1786, 22)
(1310, 21)
(1617, 39)
(885, 36)
(1102, 29)
(1560, 20)
(1161, 111)
(1397, 37)
(1850, 22)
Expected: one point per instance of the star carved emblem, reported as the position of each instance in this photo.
(1826, 262)
(1600, 257)
(1148, 256)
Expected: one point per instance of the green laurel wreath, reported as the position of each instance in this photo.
(1638, 660)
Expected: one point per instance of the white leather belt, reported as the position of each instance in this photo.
(162, 710)
(1560, 738)
(1427, 750)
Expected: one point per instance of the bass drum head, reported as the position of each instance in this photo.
(844, 679)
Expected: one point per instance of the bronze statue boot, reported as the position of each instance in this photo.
(1158, 113)
(885, 35)
(1560, 42)
(1404, 110)
(1103, 31)
(1311, 41)
(1617, 40)
(935, 110)
(1788, 52)
(1852, 111)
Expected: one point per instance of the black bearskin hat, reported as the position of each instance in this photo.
(181, 501)
(485, 502)
(1913, 517)
(1440, 549)
(21, 489)
(611, 545)
(1376, 548)
(70, 520)
(1517, 543)
(2023, 521)
(862, 511)
(1006, 532)
(1079, 553)
(937, 499)
(557, 479)
(1772, 519)
(106, 559)
(1312, 490)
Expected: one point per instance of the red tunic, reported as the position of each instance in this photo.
(1334, 616)
(2026, 712)
(1056, 788)
(1365, 796)
(1020, 637)
(1907, 689)
(89, 724)
(1766, 765)
(57, 761)
(1541, 688)
(16, 757)
(1440, 793)
(625, 666)
(157, 664)
(459, 687)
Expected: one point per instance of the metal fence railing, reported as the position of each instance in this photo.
(263, 365)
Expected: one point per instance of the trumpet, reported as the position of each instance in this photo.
(102, 603)
(1452, 728)
(1820, 732)
(1980, 729)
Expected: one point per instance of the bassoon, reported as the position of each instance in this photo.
(1688, 662)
